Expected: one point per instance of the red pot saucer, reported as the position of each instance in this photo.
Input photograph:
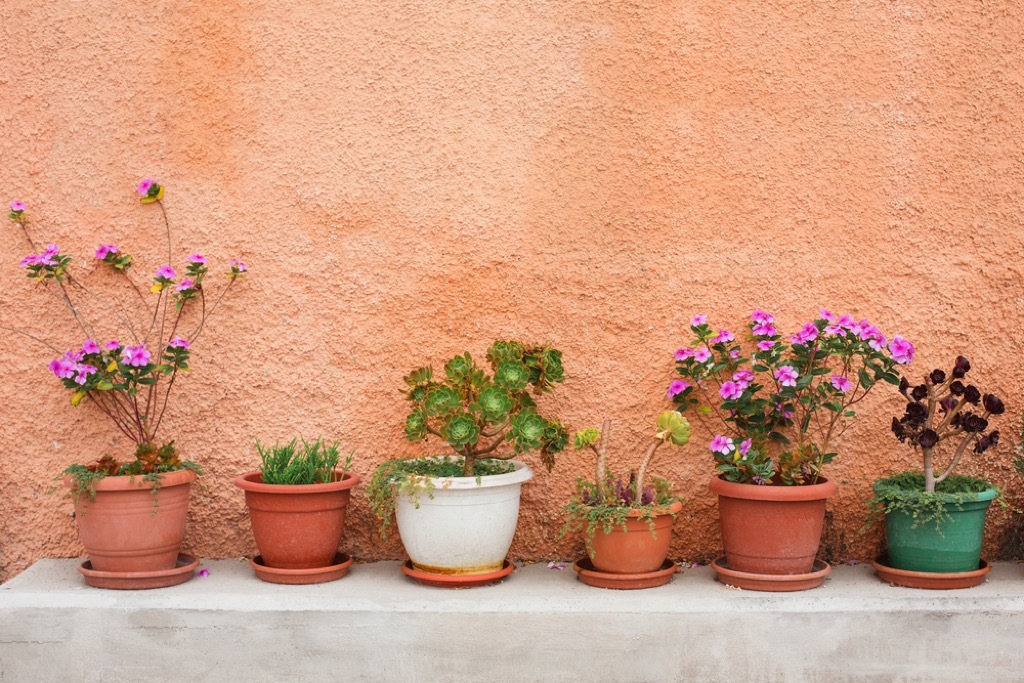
(771, 582)
(456, 580)
(586, 573)
(930, 580)
(180, 573)
(300, 577)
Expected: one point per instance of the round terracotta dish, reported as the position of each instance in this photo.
(300, 577)
(456, 580)
(161, 578)
(930, 580)
(586, 573)
(777, 583)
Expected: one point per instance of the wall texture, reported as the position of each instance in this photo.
(409, 180)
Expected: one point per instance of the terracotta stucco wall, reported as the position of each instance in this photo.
(409, 180)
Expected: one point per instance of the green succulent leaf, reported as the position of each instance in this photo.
(673, 427)
(442, 401)
(587, 437)
(460, 367)
(419, 376)
(461, 431)
(504, 350)
(494, 403)
(512, 375)
(415, 426)
(527, 430)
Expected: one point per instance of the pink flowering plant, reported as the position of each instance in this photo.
(129, 361)
(777, 404)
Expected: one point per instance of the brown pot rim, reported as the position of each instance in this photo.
(252, 481)
(130, 482)
(823, 489)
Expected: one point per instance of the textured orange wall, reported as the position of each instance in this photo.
(409, 180)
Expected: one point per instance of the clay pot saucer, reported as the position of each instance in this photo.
(777, 583)
(586, 573)
(930, 580)
(456, 580)
(180, 573)
(299, 577)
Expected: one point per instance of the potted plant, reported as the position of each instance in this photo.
(935, 519)
(297, 504)
(457, 515)
(131, 514)
(777, 410)
(626, 525)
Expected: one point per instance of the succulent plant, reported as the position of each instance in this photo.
(476, 412)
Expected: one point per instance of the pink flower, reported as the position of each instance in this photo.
(164, 272)
(745, 446)
(89, 346)
(786, 375)
(764, 330)
(677, 387)
(782, 410)
(238, 265)
(827, 315)
(842, 383)
(723, 337)
(178, 343)
(185, 285)
(846, 320)
(734, 354)
(30, 260)
(730, 391)
(702, 355)
(683, 354)
(877, 341)
(759, 316)
(807, 333)
(135, 356)
(834, 329)
(104, 249)
(144, 186)
(84, 371)
(744, 377)
(196, 258)
(64, 368)
(902, 351)
(766, 345)
(112, 345)
(722, 444)
(17, 206)
(698, 320)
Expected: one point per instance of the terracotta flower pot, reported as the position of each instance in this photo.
(297, 526)
(132, 527)
(633, 550)
(771, 529)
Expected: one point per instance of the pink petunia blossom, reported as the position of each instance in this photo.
(834, 329)
(744, 377)
(845, 320)
(104, 249)
(877, 341)
(764, 330)
(89, 346)
(30, 260)
(786, 375)
(745, 446)
(17, 206)
(164, 272)
(766, 345)
(827, 315)
(702, 355)
(722, 444)
(724, 336)
(698, 320)
(178, 343)
(730, 391)
(136, 356)
(84, 370)
(144, 186)
(807, 333)
(902, 351)
(64, 367)
(185, 285)
(759, 316)
(734, 354)
(196, 258)
(112, 345)
(842, 383)
(677, 387)
(683, 354)
(237, 263)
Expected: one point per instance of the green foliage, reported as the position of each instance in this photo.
(476, 411)
(904, 492)
(312, 463)
(673, 427)
(84, 477)
(590, 513)
(414, 477)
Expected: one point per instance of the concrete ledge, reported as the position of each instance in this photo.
(539, 625)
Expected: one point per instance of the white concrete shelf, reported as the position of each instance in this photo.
(538, 625)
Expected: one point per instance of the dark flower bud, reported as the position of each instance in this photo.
(993, 438)
(974, 423)
(904, 385)
(938, 377)
(898, 429)
(993, 404)
(961, 367)
(916, 412)
(920, 392)
(928, 438)
(982, 445)
(947, 404)
(971, 394)
(957, 419)
(957, 388)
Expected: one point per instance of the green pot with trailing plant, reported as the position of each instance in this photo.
(297, 502)
(457, 514)
(935, 519)
(131, 514)
(626, 525)
(777, 410)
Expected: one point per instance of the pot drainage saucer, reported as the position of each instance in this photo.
(162, 578)
(456, 580)
(586, 573)
(930, 580)
(296, 577)
(771, 582)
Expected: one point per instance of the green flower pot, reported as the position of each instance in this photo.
(951, 544)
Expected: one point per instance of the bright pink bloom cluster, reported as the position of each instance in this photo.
(902, 351)
(136, 356)
(44, 259)
(164, 272)
(786, 375)
(104, 249)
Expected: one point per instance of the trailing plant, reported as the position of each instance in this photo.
(129, 377)
(904, 492)
(943, 413)
(778, 408)
(312, 463)
(414, 477)
(476, 412)
(608, 501)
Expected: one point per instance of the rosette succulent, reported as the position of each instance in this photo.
(477, 412)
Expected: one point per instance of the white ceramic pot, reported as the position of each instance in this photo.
(468, 525)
